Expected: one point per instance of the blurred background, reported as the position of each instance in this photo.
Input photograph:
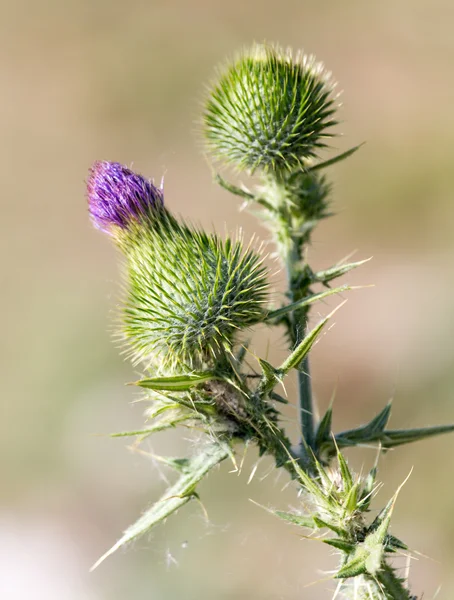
(123, 81)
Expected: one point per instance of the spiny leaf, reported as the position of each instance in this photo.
(329, 525)
(355, 566)
(280, 312)
(161, 426)
(389, 438)
(351, 501)
(175, 497)
(364, 434)
(299, 520)
(335, 159)
(347, 478)
(278, 398)
(182, 465)
(269, 380)
(176, 383)
(338, 270)
(340, 544)
(367, 492)
(397, 437)
(303, 348)
(324, 428)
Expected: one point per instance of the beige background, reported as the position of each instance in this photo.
(123, 81)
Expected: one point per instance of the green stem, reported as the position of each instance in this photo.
(306, 404)
(298, 325)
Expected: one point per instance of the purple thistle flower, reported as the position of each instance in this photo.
(117, 195)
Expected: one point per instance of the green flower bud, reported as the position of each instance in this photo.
(269, 111)
(188, 293)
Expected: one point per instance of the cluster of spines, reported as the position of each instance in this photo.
(188, 293)
(270, 111)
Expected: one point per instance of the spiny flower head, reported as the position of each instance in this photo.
(117, 196)
(269, 111)
(188, 293)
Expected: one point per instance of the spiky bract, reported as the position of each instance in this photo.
(188, 292)
(117, 196)
(269, 111)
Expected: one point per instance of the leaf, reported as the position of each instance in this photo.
(269, 380)
(372, 432)
(340, 544)
(351, 502)
(368, 488)
(347, 478)
(299, 520)
(303, 348)
(393, 543)
(322, 523)
(355, 566)
(335, 159)
(280, 312)
(387, 438)
(338, 270)
(175, 497)
(278, 398)
(398, 437)
(182, 465)
(233, 189)
(161, 426)
(324, 428)
(178, 383)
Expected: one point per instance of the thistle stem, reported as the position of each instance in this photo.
(306, 407)
(298, 325)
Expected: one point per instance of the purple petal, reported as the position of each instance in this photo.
(117, 195)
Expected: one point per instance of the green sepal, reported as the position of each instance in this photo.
(175, 497)
(177, 383)
(337, 271)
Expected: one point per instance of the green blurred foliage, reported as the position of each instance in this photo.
(123, 81)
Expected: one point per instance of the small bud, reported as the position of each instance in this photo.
(269, 110)
(117, 196)
(188, 293)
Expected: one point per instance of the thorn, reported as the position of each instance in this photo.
(251, 476)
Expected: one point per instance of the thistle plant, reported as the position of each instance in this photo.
(191, 301)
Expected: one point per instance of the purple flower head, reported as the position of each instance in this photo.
(117, 195)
